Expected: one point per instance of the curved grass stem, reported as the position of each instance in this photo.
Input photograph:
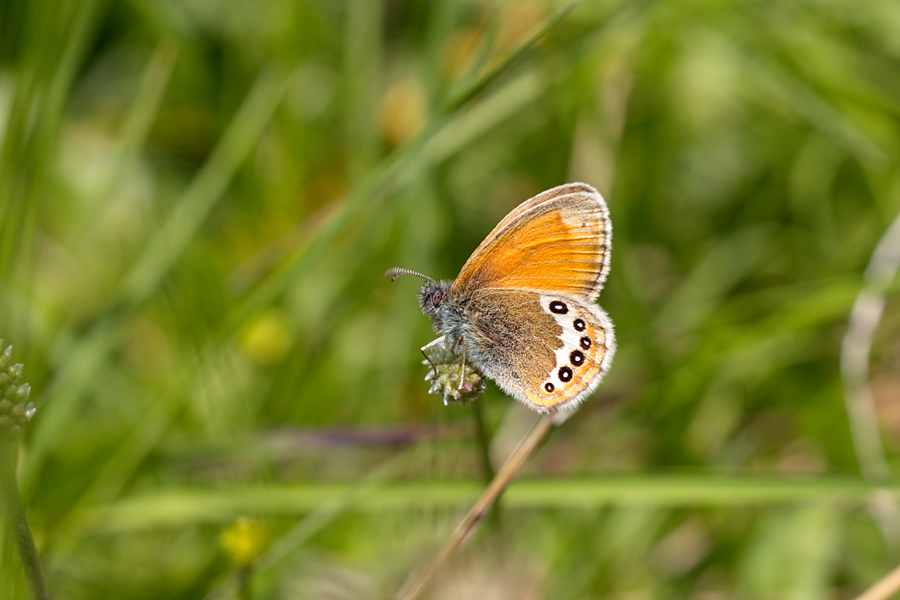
(856, 349)
(14, 514)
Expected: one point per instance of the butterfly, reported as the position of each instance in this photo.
(522, 310)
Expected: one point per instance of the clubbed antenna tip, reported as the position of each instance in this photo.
(398, 272)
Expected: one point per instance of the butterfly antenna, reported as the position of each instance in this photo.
(397, 272)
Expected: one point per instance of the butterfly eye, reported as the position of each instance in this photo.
(437, 298)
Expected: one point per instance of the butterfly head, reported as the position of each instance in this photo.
(433, 295)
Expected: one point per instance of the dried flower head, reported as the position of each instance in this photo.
(15, 409)
(451, 378)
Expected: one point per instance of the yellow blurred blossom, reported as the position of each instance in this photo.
(402, 111)
(518, 20)
(267, 339)
(245, 541)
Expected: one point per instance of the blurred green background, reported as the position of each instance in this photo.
(198, 200)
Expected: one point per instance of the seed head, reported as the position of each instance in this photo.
(15, 409)
(445, 371)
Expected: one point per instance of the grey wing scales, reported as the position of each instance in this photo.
(545, 350)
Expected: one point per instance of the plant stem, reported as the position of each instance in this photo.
(490, 495)
(11, 506)
(886, 587)
(244, 592)
(487, 468)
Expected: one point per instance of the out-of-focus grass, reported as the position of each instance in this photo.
(197, 202)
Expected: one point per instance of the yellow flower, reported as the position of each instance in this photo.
(402, 111)
(518, 20)
(267, 339)
(245, 541)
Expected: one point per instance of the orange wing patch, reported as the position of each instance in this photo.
(556, 242)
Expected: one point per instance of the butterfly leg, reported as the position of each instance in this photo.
(429, 346)
(462, 369)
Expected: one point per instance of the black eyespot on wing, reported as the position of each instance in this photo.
(565, 374)
(585, 342)
(579, 324)
(549, 386)
(558, 307)
(576, 358)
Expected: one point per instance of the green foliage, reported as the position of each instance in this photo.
(198, 201)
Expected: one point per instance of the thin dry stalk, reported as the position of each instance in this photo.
(418, 582)
(885, 588)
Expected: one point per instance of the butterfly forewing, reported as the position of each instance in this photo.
(556, 242)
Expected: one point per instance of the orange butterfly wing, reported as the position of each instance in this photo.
(558, 241)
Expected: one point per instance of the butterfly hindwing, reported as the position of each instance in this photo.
(588, 346)
(546, 350)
